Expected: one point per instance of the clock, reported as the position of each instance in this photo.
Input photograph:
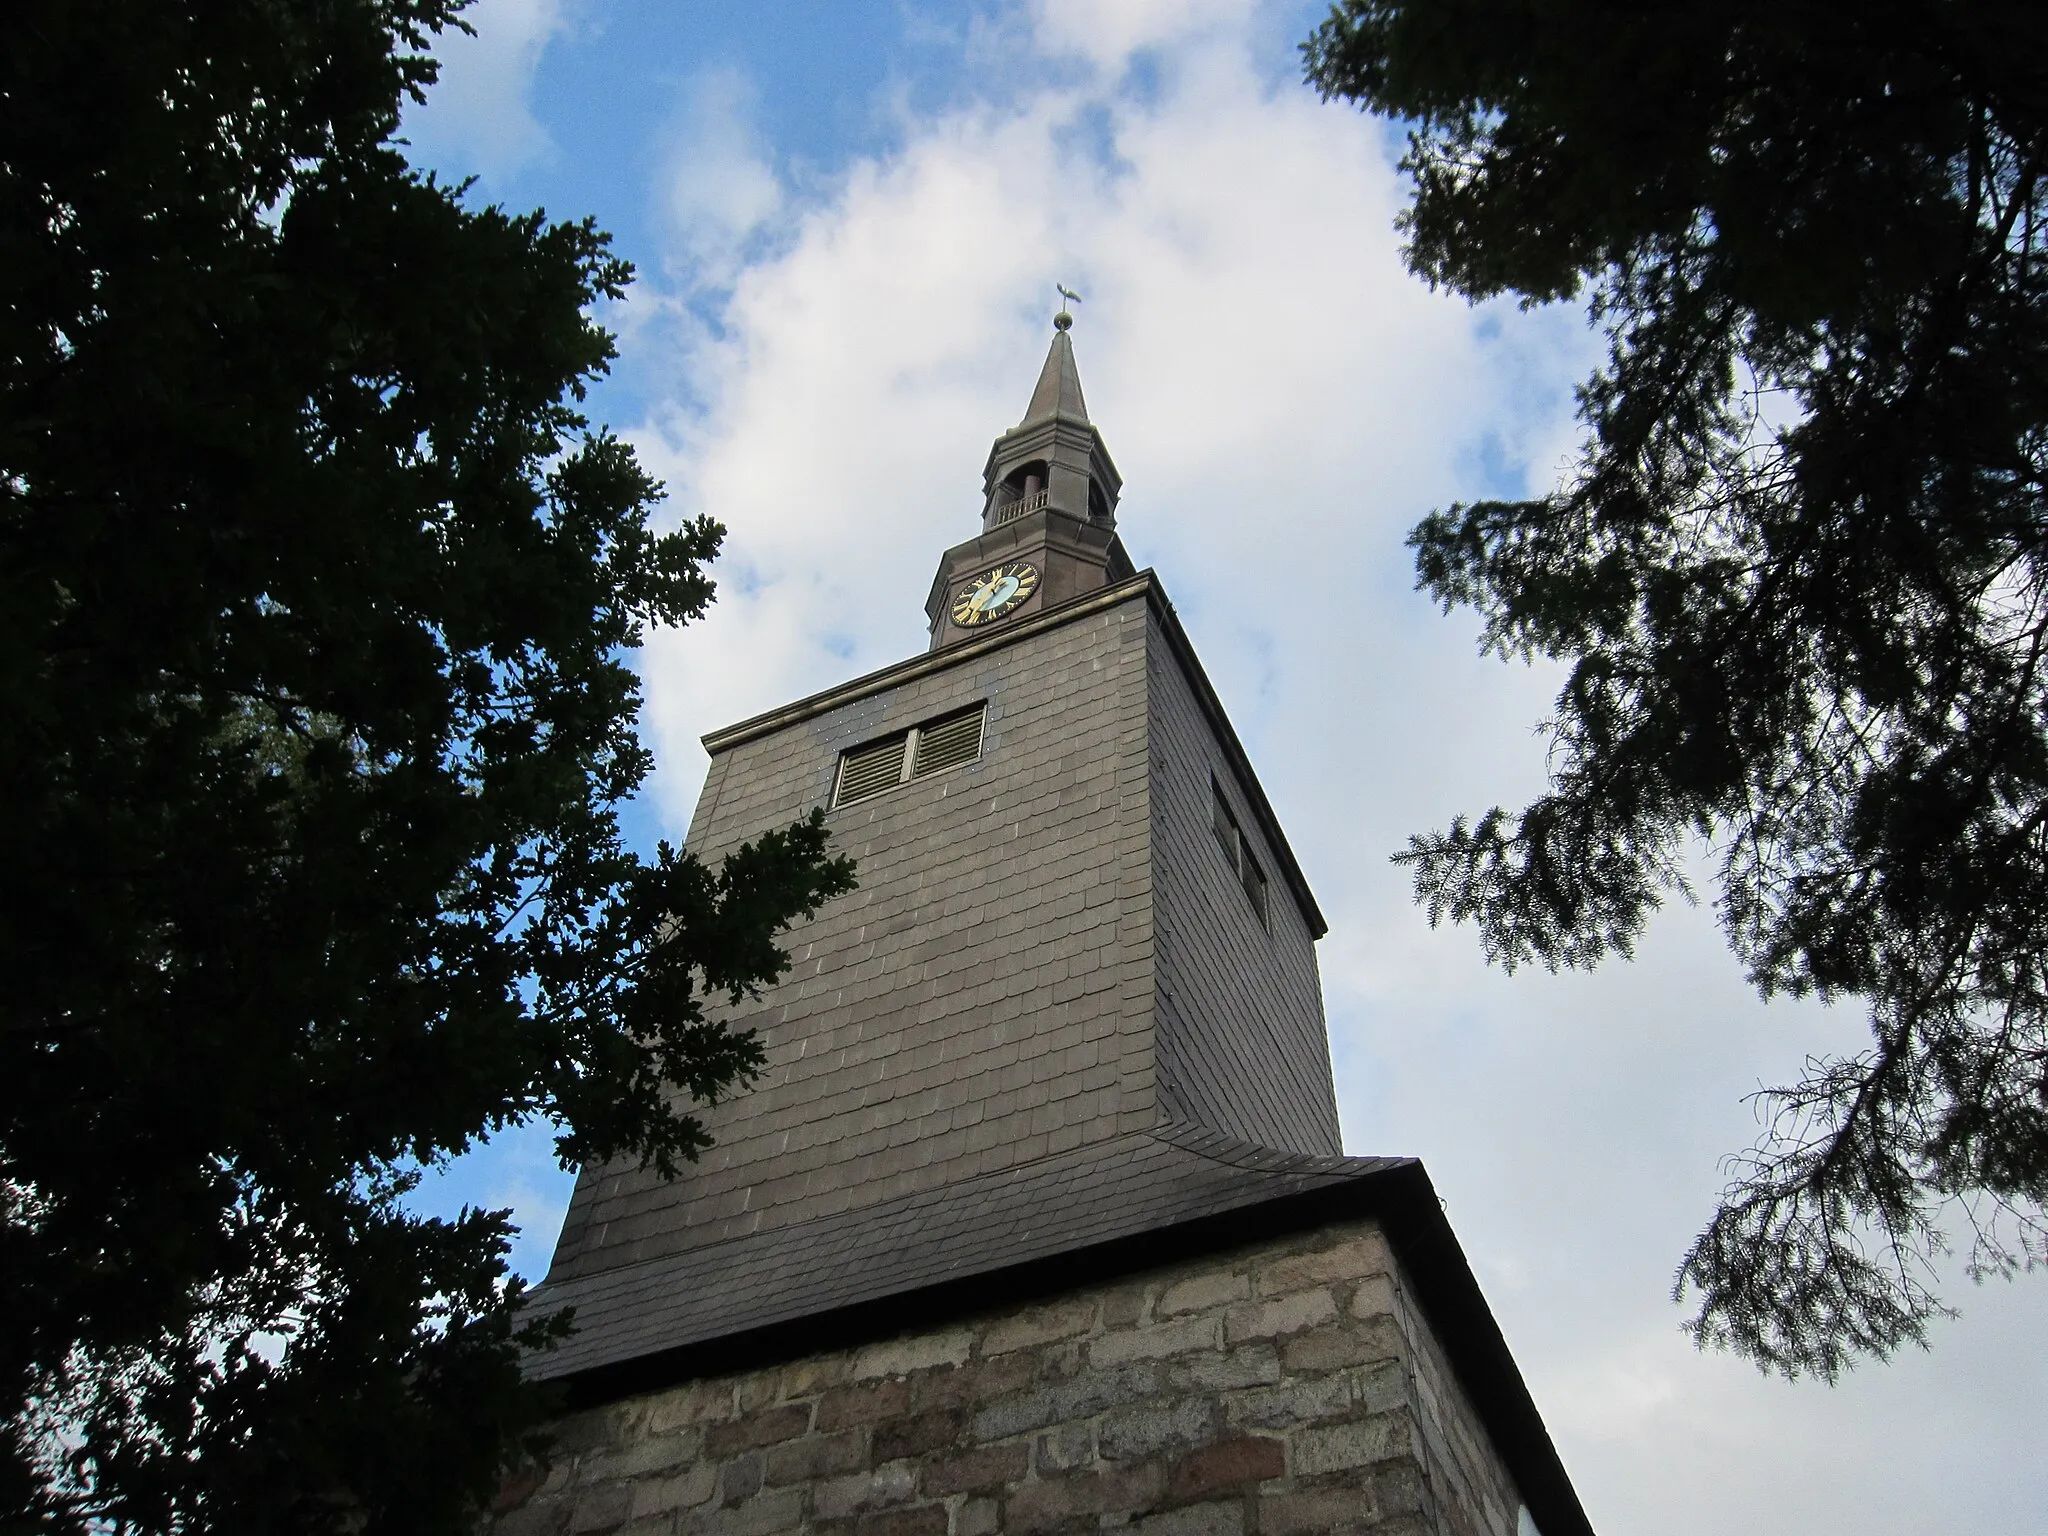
(994, 593)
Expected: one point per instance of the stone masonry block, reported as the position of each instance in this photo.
(1157, 1341)
(1225, 1466)
(918, 1432)
(1337, 1447)
(601, 1508)
(1125, 1305)
(1199, 1292)
(838, 1497)
(766, 1428)
(637, 1458)
(701, 1402)
(1145, 1429)
(865, 1404)
(659, 1495)
(1226, 1519)
(598, 1429)
(1255, 1364)
(1302, 1401)
(759, 1389)
(740, 1478)
(813, 1456)
(1288, 1314)
(765, 1516)
(1048, 1504)
(1340, 1344)
(1366, 1254)
(1401, 1486)
(1375, 1295)
(926, 1520)
(517, 1487)
(1066, 1447)
(1319, 1512)
(982, 1470)
(1377, 1388)
(978, 1381)
(1014, 1416)
(1082, 1397)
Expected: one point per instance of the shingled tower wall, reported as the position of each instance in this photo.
(1067, 1031)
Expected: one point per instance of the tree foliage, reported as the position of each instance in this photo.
(1799, 576)
(316, 604)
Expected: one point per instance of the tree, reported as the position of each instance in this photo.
(317, 600)
(1799, 576)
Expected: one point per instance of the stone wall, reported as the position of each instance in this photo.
(1287, 1387)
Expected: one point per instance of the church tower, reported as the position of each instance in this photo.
(1037, 1218)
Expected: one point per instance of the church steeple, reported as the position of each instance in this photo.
(1048, 512)
(1054, 457)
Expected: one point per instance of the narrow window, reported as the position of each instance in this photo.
(1254, 881)
(877, 767)
(1224, 822)
(1237, 851)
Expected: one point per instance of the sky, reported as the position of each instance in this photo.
(847, 221)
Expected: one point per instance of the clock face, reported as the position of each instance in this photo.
(993, 593)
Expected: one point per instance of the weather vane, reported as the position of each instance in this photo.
(1063, 320)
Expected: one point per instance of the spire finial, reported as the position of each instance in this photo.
(1064, 321)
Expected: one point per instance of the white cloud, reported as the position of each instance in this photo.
(1285, 401)
(719, 188)
(479, 119)
(1109, 34)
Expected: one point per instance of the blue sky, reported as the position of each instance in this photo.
(848, 220)
(578, 108)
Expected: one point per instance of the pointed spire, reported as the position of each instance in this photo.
(1053, 460)
(1059, 382)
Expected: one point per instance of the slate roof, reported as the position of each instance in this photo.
(1141, 1183)
(1058, 391)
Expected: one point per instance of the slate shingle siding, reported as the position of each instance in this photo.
(1242, 1043)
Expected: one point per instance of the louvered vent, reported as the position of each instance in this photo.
(933, 747)
(867, 771)
(949, 743)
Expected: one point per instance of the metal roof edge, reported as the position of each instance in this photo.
(1450, 1298)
